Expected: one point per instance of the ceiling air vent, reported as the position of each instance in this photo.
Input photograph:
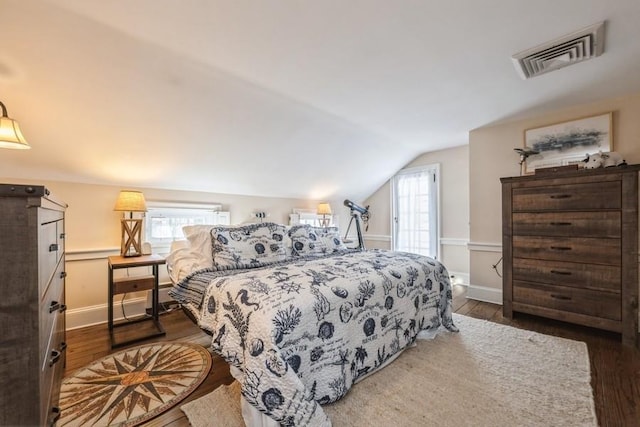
(570, 49)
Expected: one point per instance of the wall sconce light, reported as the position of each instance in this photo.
(10, 135)
(324, 209)
(130, 201)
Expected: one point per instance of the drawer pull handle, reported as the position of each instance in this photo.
(63, 274)
(63, 346)
(561, 273)
(560, 223)
(62, 236)
(561, 248)
(560, 196)
(54, 306)
(55, 411)
(55, 356)
(63, 308)
(562, 297)
(53, 247)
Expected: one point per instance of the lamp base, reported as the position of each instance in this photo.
(130, 245)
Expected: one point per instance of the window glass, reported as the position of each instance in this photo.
(415, 210)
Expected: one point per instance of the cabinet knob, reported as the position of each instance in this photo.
(54, 306)
(560, 297)
(560, 248)
(55, 356)
(63, 274)
(55, 412)
(560, 272)
(62, 235)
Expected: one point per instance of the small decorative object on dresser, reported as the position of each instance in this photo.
(32, 342)
(570, 247)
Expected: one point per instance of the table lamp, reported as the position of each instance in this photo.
(324, 209)
(130, 201)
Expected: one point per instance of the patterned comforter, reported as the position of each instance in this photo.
(304, 331)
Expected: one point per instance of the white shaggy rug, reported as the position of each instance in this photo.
(485, 375)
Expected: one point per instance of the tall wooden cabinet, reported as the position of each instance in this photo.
(570, 247)
(32, 306)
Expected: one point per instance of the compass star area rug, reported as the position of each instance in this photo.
(133, 385)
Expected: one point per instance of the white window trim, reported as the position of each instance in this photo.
(163, 248)
(300, 216)
(436, 169)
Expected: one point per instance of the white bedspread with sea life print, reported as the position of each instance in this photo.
(303, 331)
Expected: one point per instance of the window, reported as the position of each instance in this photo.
(164, 221)
(311, 217)
(414, 194)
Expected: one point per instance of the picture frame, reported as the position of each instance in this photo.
(568, 142)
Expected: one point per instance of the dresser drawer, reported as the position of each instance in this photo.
(133, 284)
(48, 254)
(52, 305)
(582, 301)
(572, 249)
(52, 368)
(583, 224)
(574, 274)
(588, 196)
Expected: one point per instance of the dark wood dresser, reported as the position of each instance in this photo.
(570, 247)
(32, 306)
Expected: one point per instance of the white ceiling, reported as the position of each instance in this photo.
(310, 99)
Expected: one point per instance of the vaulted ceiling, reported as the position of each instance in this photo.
(309, 99)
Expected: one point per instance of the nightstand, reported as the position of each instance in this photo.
(134, 284)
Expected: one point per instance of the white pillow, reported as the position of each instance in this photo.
(181, 262)
(199, 237)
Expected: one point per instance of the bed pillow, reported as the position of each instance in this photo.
(199, 237)
(330, 237)
(307, 240)
(247, 246)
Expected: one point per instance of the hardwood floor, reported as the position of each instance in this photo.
(615, 370)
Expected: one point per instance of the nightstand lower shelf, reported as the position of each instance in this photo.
(134, 330)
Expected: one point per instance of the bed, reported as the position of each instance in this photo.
(299, 317)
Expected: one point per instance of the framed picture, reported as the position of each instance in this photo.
(568, 142)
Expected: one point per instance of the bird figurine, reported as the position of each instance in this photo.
(524, 154)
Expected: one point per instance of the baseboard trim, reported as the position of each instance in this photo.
(483, 293)
(98, 314)
(458, 278)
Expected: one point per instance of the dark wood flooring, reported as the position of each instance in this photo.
(615, 370)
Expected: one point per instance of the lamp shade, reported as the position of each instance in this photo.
(10, 134)
(130, 201)
(324, 209)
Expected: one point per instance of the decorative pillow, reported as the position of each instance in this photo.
(247, 246)
(330, 237)
(315, 241)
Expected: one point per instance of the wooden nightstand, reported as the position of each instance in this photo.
(135, 284)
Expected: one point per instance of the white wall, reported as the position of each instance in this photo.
(454, 209)
(492, 157)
